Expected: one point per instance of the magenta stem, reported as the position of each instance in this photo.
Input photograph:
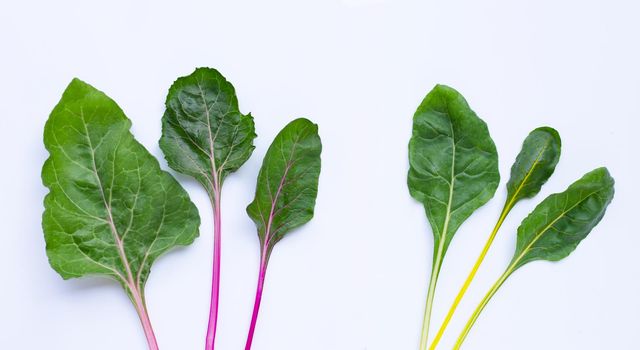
(256, 304)
(215, 281)
(141, 308)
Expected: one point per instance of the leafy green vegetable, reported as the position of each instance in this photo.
(285, 194)
(204, 135)
(533, 166)
(453, 171)
(111, 210)
(555, 228)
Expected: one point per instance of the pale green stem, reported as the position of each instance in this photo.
(435, 271)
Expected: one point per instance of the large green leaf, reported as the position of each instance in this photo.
(453, 162)
(111, 210)
(204, 135)
(556, 226)
(554, 229)
(288, 182)
(453, 170)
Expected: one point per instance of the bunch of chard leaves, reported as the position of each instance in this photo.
(285, 193)
(110, 211)
(451, 156)
(204, 135)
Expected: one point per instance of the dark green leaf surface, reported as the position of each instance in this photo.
(288, 182)
(111, 210)
(556, 226)
(534, 164)
(453, 162)
(204, 135)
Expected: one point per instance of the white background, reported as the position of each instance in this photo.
(355, 277)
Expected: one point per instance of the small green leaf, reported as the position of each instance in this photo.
(556, 226)
(204, 135)
(285, 194)
(453, 170)
(288, 182)
(534, 165)
(111, 210)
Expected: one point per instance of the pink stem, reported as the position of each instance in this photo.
(141, 308)
(256, 304)
(215, 283)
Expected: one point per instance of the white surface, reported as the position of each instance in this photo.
(355, 277)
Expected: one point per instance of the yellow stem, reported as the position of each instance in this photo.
(471, 275)
(483, 303)
(507, 208)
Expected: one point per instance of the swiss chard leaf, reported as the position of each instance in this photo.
(533, 166)
(555, 228)
(110, 209)
(453, 170)
(288, 182)
(204, 135)
(286, 192)
(453, 162)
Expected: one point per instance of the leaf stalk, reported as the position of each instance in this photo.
(141, 309)
(264, 258)
(215, 279)
(433, 281)
(480, 307)
(463, 290)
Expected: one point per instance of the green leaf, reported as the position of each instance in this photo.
(554, 229)
(285, 194)
(111, 210)
(556, 226)
(453, 162)
(453, 170)
(204, 135)
(534, 165)
(288, 182)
